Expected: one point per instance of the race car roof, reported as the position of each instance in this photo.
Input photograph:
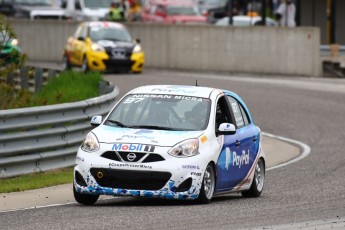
(196, 91)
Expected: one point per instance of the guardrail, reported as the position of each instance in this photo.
(29, 77)
(47, 137)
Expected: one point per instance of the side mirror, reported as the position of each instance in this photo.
(81, 39)
(226, 129)
(96, 120)
(138, 40)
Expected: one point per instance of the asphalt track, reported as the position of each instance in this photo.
(307, 194)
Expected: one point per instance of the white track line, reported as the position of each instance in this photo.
(305, 147)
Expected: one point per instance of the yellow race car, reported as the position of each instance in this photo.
(103, 46)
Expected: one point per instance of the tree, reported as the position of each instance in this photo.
(11, 57)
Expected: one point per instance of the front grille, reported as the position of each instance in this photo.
(111, 156)
(153, 158)
(118, 65)
(128, 179)
(118, 53)
(131, 156)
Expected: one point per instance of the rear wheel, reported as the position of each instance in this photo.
(258, 181)
(208, 185)
(84, 198)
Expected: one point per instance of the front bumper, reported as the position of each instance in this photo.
(100, 61)
(173, 178)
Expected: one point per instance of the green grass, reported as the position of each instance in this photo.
(69, 86)
(36, 180)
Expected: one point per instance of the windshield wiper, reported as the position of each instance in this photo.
(117, 123)
(153, 127)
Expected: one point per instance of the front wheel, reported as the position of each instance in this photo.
(85, 66)
(208, 185)
(84, 198)
(258, 181)
(65, 63)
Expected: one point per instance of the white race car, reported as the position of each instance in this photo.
(174, 142)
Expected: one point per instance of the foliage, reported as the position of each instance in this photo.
(11, 57)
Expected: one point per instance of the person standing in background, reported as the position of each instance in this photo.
(286, 13)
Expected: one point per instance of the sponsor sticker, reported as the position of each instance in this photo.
(203, 138)
(133, 147)
(237, 160)
(190, 166)
(121, 165)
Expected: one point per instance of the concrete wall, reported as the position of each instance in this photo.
(264, 50)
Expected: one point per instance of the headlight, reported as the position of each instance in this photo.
(185, 149)
(137, 49)
(14, 42)
(90, 143)
(96, 47)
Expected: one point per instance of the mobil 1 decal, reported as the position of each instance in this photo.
(233, 164)
(133, 147)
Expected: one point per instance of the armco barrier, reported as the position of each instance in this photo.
(47, 137)
(256, 49)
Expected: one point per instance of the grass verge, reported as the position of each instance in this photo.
(69, 86)
(37, 180)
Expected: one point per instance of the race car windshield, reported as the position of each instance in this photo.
(111, 34)
(161, 112)
(183, 10)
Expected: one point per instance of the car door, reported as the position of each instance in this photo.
(246, 152)
(227, 170)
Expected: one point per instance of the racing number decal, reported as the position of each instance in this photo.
(133, 100)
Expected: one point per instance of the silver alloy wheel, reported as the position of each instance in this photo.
(259, 175)
(209, 181)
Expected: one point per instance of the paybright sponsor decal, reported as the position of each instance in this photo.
(132, 136)
(133, 147)
(237, 160)
(173, 90)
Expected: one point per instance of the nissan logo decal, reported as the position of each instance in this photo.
(131, 156)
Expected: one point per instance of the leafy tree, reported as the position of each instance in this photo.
(11, 57)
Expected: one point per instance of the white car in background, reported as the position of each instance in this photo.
(241, 20)
(173, 142)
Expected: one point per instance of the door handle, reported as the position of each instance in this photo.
(255, 139)
(237, 143)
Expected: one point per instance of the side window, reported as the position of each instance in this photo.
(244, 115)
(83, 32)
(222, 112)
(237, 111)
(77, 5)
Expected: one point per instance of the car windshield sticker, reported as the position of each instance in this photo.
(162, 96)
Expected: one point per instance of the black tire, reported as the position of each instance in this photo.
(208, 185)
(258, 181)
(84, 198)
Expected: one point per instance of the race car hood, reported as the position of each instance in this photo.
(109, 134)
